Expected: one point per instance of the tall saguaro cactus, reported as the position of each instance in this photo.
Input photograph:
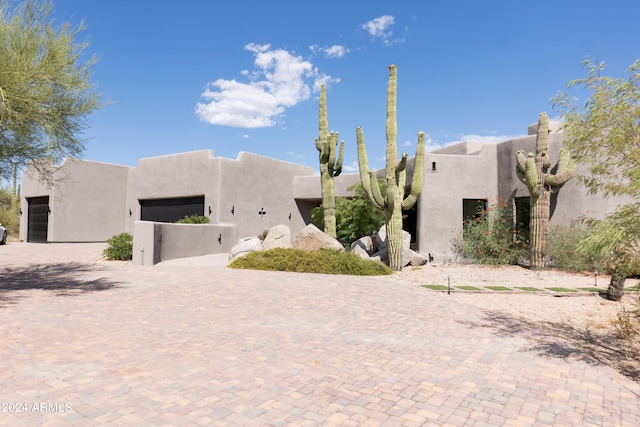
(394, 200)
(330, 167)
(534, 171)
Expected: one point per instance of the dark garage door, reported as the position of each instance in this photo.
(171, 210)
(38, 219)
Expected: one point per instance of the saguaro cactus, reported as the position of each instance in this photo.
(394, 200)
(534, 171)
(330, 167)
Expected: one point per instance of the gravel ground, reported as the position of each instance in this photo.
(579, 324)
(581, 308)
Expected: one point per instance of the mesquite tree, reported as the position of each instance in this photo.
(46, 90)
(603, 133)
(394, 200)
(326, 143)
(534, 171)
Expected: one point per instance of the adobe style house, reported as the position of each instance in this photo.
(242, 197)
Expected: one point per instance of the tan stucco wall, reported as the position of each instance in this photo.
(251, 184)
(87, 201)
(456, 177)
(234, 189)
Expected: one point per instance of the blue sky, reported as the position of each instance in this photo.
(242, 75)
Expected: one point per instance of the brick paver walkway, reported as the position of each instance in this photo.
(88, 343)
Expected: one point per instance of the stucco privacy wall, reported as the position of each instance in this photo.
(155, 242)
(86, 203)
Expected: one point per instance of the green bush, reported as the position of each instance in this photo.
(194, 219)
(355, 217)
(562, 246)
(326, 261)
(489, 237)
(120, 247)
(9, 212)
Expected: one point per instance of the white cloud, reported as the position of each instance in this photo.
(380, 28)
(295, 155)
(335, 51)
(353, 167)
(280, 81)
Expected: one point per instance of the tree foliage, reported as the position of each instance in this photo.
(604, 133)
(45, 88)
(355, 217)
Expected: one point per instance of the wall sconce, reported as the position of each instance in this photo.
(289, 216)
(130, 213)
(233, 210)
(209, 210)
(220, 239)
(262, 213)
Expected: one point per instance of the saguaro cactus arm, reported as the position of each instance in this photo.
(527, 172)
(416, 181)
(566, 169)
(337, 164)
(367, 177)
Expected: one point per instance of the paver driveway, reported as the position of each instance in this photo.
(92, 343)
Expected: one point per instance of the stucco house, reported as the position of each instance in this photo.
(93, 201)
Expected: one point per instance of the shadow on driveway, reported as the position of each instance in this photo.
(64, 279)
(562, 340)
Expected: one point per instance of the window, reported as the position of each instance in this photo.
(522, 207)
(473, 209)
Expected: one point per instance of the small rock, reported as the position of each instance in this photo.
(244, 246)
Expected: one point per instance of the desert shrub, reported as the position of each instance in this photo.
(194, 219)
(562, 249)
(9, 212)
(489, 237)
(326, 261)
(355, 217)
(120, 247)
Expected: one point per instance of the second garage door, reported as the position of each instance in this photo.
(171, 210)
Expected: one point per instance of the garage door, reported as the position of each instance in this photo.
(171, 210)
(38, 219)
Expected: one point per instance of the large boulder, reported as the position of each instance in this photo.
(244, 246)
(381, 245)
(311, 238)
(278, 236)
